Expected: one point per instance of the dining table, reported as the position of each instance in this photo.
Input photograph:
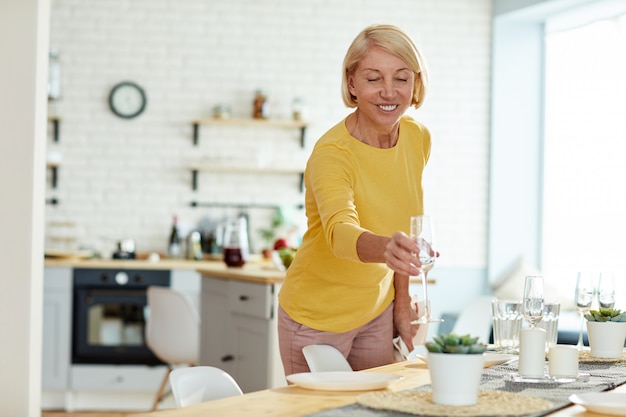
(296, 401)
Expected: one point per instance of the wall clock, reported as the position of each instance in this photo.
(127, 100)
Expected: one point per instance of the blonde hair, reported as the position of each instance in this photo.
(395, 41)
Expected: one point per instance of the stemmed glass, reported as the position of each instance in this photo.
(584, 298)
(423, 234)
(533, 300)
(606, 290)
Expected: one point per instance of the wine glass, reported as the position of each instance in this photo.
(584, 298)
(606, 290)
(423, 234)
(533, 300)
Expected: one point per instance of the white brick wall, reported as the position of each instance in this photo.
(123, 178)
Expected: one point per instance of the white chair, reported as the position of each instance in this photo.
(172, 331)
(325, 358)
(201, 383)
(476, 319)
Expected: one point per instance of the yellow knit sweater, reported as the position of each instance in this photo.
(352, 187)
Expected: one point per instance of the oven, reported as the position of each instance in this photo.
(109, 315)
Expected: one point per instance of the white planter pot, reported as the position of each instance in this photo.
(455, 377)
(606, 339)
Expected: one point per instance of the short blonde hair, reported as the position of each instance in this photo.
(394, 41)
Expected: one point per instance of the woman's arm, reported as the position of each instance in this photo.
(396, 251)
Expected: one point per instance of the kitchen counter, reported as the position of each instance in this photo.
(255, 271)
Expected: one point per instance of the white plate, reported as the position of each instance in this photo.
(491, 359)
(611, 403)
(342, 381)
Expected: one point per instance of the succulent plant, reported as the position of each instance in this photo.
(606, 314)
(452, 343)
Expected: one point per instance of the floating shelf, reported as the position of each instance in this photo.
(288, 124)
(195, 168)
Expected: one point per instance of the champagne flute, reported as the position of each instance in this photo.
(533, 300)
(584, 298)
(423, 234)
(606, 290)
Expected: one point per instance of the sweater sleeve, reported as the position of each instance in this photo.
(330, 178)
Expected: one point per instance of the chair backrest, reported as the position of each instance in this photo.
(172, 326)
(476, 319)
(198, 384)
(325, 358)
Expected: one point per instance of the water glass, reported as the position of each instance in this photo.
(533, 300)
(507, 323)
(606, 290)
(550, 323)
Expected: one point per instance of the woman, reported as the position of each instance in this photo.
(348, 285)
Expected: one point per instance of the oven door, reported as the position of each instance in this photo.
(109, 327)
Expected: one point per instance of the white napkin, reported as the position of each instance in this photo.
(401, 351)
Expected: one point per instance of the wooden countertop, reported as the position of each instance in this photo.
(255, 271)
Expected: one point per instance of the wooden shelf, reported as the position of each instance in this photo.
(267, 123)
(195, 168)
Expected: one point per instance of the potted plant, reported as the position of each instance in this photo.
(269, 234)
(606, 329)
(455, 364)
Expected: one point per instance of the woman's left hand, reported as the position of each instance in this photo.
(404, 312)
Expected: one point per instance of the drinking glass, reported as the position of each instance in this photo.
(423, 234)
(584, 298)
(507, 323)
(533, 300)
(550, 323)
(606, 290)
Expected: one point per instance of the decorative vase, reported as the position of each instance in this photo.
(606, 338)
(455, 378)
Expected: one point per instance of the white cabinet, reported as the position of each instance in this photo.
(56, 336)
(57, 310)
(239, 332)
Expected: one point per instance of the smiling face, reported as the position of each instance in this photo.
(383, 86)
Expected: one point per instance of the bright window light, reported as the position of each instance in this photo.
(584, 201)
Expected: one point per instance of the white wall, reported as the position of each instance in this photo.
(126, 178)
(123, 178)
(23, 49)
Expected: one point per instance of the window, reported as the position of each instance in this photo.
(584, 195)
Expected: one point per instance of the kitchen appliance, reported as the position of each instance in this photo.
(109, 315)
(125, 249)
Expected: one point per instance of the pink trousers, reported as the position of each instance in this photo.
(365, 347)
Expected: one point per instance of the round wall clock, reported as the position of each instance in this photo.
(127, 100)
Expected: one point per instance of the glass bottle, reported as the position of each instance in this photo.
(54, 76)
(173, 249)
(260, 106)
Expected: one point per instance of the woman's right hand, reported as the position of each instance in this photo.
(400, 254)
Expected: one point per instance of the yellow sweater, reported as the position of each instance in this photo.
(352, 187)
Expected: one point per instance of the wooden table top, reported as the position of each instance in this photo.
(293, 401)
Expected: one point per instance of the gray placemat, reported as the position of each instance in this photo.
(603, 376)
